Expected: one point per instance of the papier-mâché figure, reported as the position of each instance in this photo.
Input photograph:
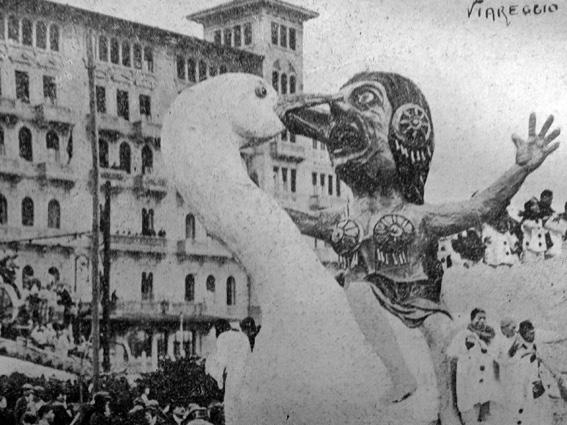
(379, 134)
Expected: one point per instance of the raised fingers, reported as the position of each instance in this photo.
(518, 141)
(546, 126)
(550, 148)
(531, 130)
(551, 136)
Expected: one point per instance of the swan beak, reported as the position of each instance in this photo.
(299, 115)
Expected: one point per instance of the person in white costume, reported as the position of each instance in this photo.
(227, 364)
(556, 227)
(533, 243)
(476, 383)
(500, 244)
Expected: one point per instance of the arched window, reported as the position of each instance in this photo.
(54, 37)
(126, 61)
(103, 153)
(103, 48)
(41, 35)
(114, 53)
(3, 210)
(27, 212)
(189, 288)
(211, 283)
(230, 291)
(52, 142)
(2, 145)
(292, 84)
(27, 273)
(275, 80)
(13, 28)
(284, 84)
(189, 226)
(147, 286)
(147, 160)
(53, 215)
(125, 157)
(25, 139)
(137, 56)
(145, 222)
(27, 32)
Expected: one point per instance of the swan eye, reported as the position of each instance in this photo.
(261, 92)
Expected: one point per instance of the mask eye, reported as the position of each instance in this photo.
(366, 97)
(261, 91)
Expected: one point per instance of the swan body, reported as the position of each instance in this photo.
(310, 364)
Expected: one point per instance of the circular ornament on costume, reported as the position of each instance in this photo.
(412, 125)
(393, 234)
(346, 237)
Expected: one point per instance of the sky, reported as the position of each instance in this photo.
(482, 77)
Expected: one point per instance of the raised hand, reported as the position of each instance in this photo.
(532, 153)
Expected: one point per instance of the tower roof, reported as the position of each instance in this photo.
(235, 8)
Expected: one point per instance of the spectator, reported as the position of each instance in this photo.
(151, 414)
(40, 336)
(101, 409)
(545, 201)
(61, 410)
(178, 415)
(29, 419)
(533, 235)
(476, 384)
(25, 402)
(248, 327)
(6, 415)
(556, 227)
(45, 415)
(500, 243)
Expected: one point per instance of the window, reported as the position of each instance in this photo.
(53, 215)
(191, 70)
(293, 183)
(189, 288)
(54, 37)
(25, 139)
(330, 184)
(223, 69)
(237, 36)
(283, 36)
(13, 28)
(52, 143)
(137, 56)
(202, 70)
(276, 172)
(292, 38)
(284, 135)
(292, 84)
(27, 32)
(228, 37)
(145, 105)
(338, 191)
(322, 180)
(284, 178)
(49, 89)
(275, 30)
(3, 210)
(122, 104)
(149, 59)
(23, 86)
(27, 212)
(100, 99)
(218, 37)
(230, 291)
(247, 34)
(114, 53)
(126, 58)
(180, 67)
(314, 142)
(2, 145)
(275, 80)
(147, 286)
(125, 157)
(41, 35)
(190, 226)
(314, 179)
(147, 160)
(148, 222)
(284, 84)
(103, 48)
(210, 283)
(103, 153)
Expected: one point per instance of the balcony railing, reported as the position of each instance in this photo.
(49, 113)
(146, 128)
(321, 202)
(150, 183)
(207, 248)
(139, 243)
(16, 168)
(56, 172)
(112, 127)
(287, 151)
(12, 109)
(166, 310)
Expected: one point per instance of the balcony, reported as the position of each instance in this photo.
(146, 128)
(12, 109)
(148, 183)
(113, 127)
(57, 173)
(139, 244)
(223, 311)
(49, 113)
(171, 311)
(207, 248)
(286, 151)
(322, 202)
(14, 169)
(119, 179)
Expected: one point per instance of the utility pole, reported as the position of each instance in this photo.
(106, 280)
(95, 187)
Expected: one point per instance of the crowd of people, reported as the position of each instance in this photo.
(506, 242)
(501, 374)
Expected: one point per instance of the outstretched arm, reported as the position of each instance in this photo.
(451, 218)
(318, 225)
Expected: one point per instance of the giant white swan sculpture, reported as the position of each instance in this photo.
(311, 364)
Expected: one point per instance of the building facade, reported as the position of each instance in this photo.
(169, 280)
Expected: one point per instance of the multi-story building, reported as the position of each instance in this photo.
(169, 279)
